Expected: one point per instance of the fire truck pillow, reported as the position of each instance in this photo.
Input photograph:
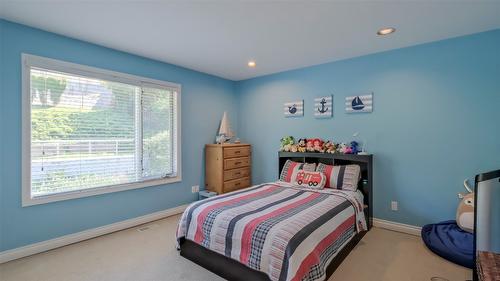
(341, 177)
(291, 168)
(314, 180)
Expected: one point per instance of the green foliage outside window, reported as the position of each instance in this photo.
(46, 86)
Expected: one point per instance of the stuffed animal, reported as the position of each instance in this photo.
(318, 145)
(348, 150)
(465, 210)
(310, 145)
(286, 143)
(329, 147)
(343, 148)
(294, 148)
(354, 147)
(301, 145)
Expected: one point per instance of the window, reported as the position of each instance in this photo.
(89, 131)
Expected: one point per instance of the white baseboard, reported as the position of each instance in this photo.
(396, 226)
(43, 246)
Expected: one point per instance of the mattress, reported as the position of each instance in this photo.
(286, 231)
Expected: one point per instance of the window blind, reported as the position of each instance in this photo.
(92, 133)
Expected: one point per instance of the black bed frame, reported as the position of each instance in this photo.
(233, 270)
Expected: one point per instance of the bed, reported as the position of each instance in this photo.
(279, 231)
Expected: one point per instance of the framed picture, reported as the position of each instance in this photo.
(323, 107)
(361, 103)
(294, 109)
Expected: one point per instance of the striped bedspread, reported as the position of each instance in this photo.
(285, 231)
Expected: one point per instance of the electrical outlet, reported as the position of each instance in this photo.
(195, 188)
(394, 205)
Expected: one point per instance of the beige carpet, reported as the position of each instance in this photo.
(149, 255)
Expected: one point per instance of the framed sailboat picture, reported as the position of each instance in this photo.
(361, 103)
(294, 109)
(323, 107)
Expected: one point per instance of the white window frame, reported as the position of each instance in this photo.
(29, 61)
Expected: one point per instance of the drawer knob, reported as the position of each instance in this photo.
(237, 174)
(237, 163)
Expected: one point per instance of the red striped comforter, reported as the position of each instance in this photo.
(288, 232)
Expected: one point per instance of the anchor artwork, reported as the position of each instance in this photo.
(293, 109)
(361, 103)
(323, 107)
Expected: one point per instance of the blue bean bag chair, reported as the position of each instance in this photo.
(449, 241)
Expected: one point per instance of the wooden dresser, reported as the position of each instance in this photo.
(227, 167)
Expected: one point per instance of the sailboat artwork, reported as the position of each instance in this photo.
(323, 107)
(225, 132)
(361, 103)
(294, 108)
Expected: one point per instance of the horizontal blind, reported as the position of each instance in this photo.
(84, 132)
(158, 131)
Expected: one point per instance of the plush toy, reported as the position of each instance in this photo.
(310, 145)
(329, 147)
(465, 210)
(348, 150)
(286, 143)
(301, 145)
(294, 148)
(318, 145)
(354, 147)
(343, 148)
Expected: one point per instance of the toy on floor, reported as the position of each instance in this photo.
(465, 210)
(450, 242)
(453, 240)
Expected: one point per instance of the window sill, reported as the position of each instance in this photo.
(31, 201)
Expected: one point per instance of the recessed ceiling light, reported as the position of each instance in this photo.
(386, 31)
(251, 63)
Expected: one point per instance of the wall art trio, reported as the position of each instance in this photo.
(323, 106)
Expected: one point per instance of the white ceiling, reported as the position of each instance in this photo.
(219, 37)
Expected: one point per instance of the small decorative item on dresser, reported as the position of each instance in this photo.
(227, 167)
(225, 132)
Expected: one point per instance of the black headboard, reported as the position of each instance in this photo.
(364, 161)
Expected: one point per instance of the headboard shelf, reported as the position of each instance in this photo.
(339, 156)
(364, 161)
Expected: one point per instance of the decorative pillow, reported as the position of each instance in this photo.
(341, 177)
(314, 180)
(291, 168)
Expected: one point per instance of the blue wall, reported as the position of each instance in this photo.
(434, 124)
(204, 98)
(435, 119)
(1, 130)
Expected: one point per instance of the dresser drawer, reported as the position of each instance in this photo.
(234, 163)
(236, 184)
(236, 151)
(236, 173)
